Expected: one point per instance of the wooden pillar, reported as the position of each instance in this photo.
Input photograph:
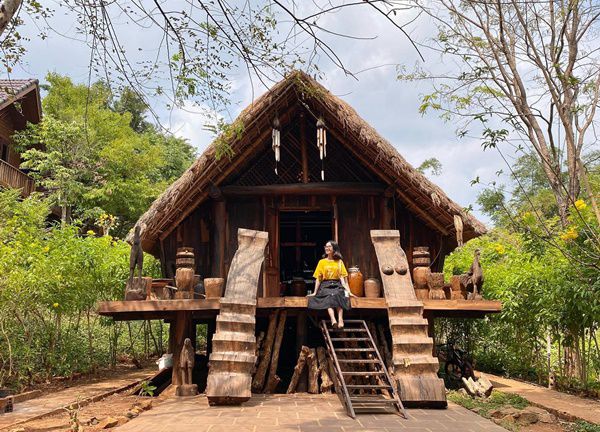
(304, 148)
(211, 328)
(300, 331)
(182, 328)
(220, 228)
(431, 333)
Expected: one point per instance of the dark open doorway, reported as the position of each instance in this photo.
(302, 235)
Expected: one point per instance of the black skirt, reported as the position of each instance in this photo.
(331, 294)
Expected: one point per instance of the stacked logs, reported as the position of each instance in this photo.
(319, 367)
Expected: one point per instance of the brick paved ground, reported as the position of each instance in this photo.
(299, 412)
(564, 405)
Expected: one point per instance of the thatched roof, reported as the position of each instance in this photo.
(418, 193)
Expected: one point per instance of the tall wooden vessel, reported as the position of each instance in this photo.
(415, 368)
(234, 343)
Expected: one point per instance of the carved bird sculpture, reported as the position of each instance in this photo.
(476, 275)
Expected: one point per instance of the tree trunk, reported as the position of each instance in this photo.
(7, 11)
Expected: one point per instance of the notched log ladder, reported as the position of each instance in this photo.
(234, 343)
(415, 368)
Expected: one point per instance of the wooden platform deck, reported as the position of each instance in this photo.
(208, 308)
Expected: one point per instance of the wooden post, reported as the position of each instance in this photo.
(298, 369)
(300, 331)
(273, 379)
(263, 364)
(220, 224)
(326, 382)
(313, 371)
(431, 332)
(211, 328)
(304, 148)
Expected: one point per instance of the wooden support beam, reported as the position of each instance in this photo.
(304, 148)
(323, 188)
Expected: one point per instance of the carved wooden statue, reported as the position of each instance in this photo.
(458, 225)
(476, 277)
(186, 365)
(136, 257)
(186, 362)
(136, 288)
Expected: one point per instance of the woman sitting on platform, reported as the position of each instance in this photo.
(331, 285)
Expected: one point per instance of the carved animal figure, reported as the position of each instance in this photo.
(186, 362)
(476, 275)
(136, 257)
(458, 225)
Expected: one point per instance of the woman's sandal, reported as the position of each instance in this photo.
(334, 324)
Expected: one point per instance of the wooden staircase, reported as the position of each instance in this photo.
(362, 381)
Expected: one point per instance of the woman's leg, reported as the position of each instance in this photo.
(332, 316)
(340, 312)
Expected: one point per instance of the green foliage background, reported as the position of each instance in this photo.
(549, 286)
(95, 157)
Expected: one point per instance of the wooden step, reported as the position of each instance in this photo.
(363, 373)
(358, 361)
(354, 349)
(368, 386)
(358, 330)
(350, 339)
(371, 400)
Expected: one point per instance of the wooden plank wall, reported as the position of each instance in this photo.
(213, 235)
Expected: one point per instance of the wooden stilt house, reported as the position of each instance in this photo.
(356, 184)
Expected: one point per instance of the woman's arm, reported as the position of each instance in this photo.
(317, 283)
(344, 281)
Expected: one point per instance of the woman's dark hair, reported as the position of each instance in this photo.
(337, 254)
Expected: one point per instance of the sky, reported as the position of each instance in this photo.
(389, 105)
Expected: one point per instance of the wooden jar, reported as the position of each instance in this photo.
(355, 281)
(213, 287)
(421, 271)
(372, 288)
(435, 282)
(184, 275)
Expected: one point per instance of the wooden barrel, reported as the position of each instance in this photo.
(214, 287)
(421, 256)
(185, 257)
(372, 288)
(355, 280)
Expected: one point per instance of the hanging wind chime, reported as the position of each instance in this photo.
(276, 134)
(322, 144)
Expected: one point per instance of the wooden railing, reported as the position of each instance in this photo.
(15, 178)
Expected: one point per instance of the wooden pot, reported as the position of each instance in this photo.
(372, 288)
(420, 276)
(214, 287)
(184, 281)
(355, 281)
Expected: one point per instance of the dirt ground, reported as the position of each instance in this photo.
(115, 406)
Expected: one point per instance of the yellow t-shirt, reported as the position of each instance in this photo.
(330, 269)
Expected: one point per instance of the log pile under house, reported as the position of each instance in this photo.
(336, 178)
